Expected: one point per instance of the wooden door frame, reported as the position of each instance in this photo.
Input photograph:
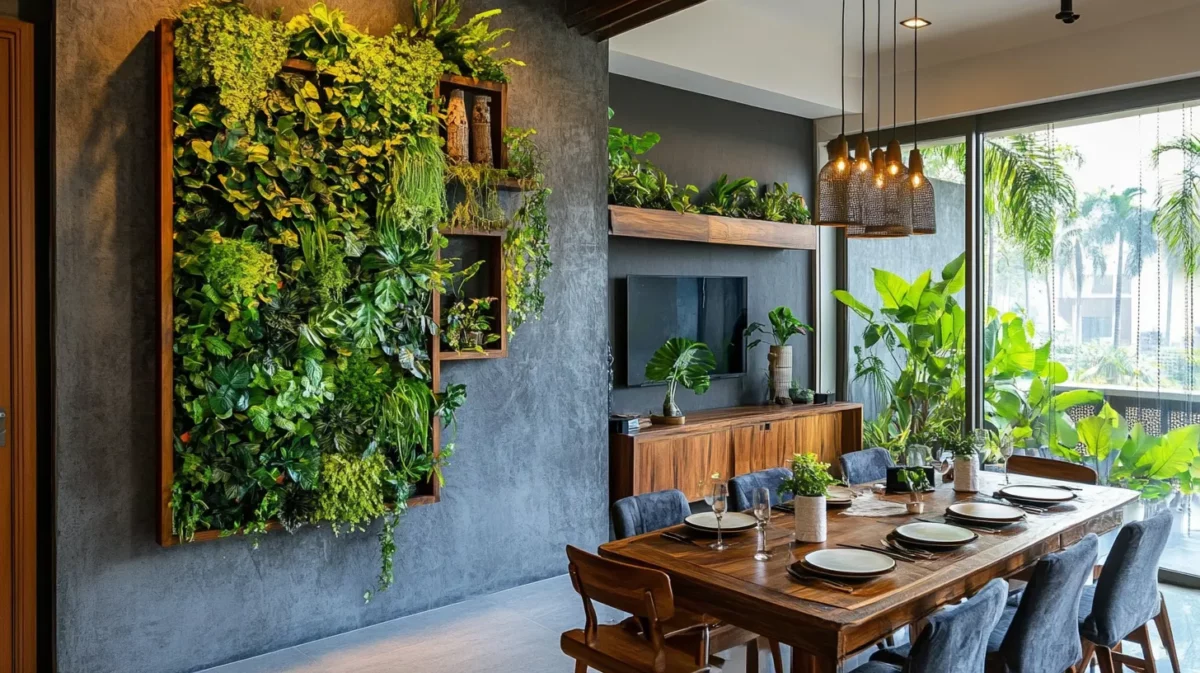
(21, 449)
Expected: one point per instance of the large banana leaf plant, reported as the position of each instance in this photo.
(1138, 460)
(681, 361)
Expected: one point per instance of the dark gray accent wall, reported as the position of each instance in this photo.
(703, 137)
(530, 473)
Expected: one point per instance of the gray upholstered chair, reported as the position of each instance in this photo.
(954, 641)
(1125, 598)
(1038, 631)
(868, 465)
(643, 513)
(741, 488)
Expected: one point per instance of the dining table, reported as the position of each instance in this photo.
(826, 623)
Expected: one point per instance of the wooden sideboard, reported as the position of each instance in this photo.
(730, 442)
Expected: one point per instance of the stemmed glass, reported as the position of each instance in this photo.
(762, 513)
(720, 502)
(1006, 451)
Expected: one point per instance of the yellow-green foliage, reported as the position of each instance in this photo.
(351, 490)
(223, 44)
(238, 269)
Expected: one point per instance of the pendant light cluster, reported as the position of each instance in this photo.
(874, 195)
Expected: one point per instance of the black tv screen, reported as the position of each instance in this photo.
(707, 309)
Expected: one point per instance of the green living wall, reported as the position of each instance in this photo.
(306, 224)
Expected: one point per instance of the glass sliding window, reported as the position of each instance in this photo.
(902, 366)
(1091, 243)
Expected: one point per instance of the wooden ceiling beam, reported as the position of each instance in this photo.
(609, 18)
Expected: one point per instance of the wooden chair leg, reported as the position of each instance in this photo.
(777, 656)
(752, 656)
(1141, 636)
(580, 667)
(1163, 623)
(1104, 657)
(1089, 651)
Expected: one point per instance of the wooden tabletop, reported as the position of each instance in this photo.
(829, 624)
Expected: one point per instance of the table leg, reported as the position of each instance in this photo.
(804, 662)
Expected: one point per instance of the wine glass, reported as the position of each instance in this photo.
(1006, 452)
(762, 513)
(720, 502)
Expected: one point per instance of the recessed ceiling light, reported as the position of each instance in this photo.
(915, 23)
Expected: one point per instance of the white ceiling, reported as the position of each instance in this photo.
(783, 54)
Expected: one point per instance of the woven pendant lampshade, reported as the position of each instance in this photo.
(887, 209)
(833, 183)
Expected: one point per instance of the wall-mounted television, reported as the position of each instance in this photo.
(710, 309)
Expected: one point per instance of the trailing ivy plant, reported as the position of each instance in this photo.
(526, 245)
(306, 226)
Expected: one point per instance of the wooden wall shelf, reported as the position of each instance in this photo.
(731, 441)
(672, 226)
(426, 493)
(491, 248)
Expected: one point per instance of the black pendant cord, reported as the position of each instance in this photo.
(878, 74)
(894, 74)
(863, 87)
(916, 13)
(842, 72)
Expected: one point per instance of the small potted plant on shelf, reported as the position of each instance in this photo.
(800, 395)
(808, 483)
(784, 326)
(917, 481)
(467, 325)
(680, 362)
(965, 451)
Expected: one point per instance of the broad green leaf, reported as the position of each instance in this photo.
(912, 298)
(1172, 455)
(260, 418)
(855, 305)
(1097, 434)
(892, 288)
(203, 150)
(1074, 398)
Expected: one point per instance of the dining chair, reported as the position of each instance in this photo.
(1038, 631)
(741, 487)
(867, 465)
(1125, 599)
(953, 641)
(638, 514)
(1050, 468)
(646, 594)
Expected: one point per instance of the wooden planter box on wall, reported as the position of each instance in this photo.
(426, 493)
(672, 226)
(492, 245)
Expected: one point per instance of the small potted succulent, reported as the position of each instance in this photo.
(784, 326)
(808, 483)
(800, 395)
(680, 362)
(917, 481)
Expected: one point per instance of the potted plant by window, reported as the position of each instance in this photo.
(784, 326)
(679, 362)
(917, 482)
(966, 460)
(808, 483)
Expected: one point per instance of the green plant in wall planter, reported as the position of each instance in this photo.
(680, 362)
(468, 327)
(307, 213)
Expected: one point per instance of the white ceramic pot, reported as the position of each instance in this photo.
(966, 474)
(779, 359)
(810, 518)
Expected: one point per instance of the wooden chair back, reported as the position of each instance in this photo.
(641, 592)
(1051, 469)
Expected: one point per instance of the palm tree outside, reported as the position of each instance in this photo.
(1119, 219)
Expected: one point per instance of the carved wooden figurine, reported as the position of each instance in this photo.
(481, 131)
(456, 127)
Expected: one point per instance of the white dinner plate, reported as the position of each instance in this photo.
(986, 511)
(732, 521)
(853, 562)
(1040, 494)
(935, 533)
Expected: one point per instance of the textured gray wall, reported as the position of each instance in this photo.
(703, 137)
(530, 474)
(907, 258)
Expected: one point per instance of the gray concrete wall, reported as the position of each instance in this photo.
(907, 258)
(703, 137)
(530, 474)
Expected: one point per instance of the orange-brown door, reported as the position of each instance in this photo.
(17, 383)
